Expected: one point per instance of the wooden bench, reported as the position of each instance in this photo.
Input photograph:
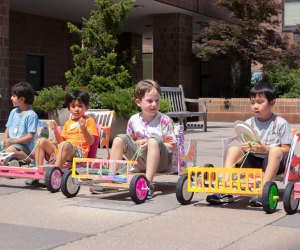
(178, 105)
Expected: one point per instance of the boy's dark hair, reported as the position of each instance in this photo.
(23, 89)
(145, 86)
(77, 95)
(264, 88)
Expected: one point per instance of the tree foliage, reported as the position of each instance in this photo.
(97, 65)
(251, 35)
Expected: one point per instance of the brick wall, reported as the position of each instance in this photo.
(48, 37)
(239, 109)
(172, 50)
(4, 55)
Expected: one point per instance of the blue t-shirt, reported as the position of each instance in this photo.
(22, 124)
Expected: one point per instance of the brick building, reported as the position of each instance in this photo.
(35, 41)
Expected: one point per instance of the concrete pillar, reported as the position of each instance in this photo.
(172, 51)
(4, 61)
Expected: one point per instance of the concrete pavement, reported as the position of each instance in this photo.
(33, 218)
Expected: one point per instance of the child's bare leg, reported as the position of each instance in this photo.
(117, 151)
(43, 147)
(153, 157)
(274, 158)
(234, 154)
(65, 153)
(18, 154)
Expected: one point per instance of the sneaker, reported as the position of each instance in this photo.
(32, 164)
(32, 182)
(255, 202)
(219, 199)
(150, 190)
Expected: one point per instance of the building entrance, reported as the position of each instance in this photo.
(35, 71)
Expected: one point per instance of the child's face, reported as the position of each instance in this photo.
(150, 103)
(261, 108)
(17, 101)
(77, 109)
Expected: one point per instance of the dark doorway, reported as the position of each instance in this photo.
(35, 71)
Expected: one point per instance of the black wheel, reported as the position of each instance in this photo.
(270, 197)
(53, 179)
(290, 204)
(183, 196)
(138, 189)
(68, 186)
(208, 165)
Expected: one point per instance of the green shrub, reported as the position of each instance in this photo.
(165, 105)
(49, 99)
(122, 101)
(95, 101)
(286, 81)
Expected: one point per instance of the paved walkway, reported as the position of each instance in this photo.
(33, 218)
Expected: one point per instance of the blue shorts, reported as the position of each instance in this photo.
(253, 161)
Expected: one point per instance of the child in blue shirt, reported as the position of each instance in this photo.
(22, 123)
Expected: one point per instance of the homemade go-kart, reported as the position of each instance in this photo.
(100, 172)
(10, 167)
(242, 181)
(13, 168)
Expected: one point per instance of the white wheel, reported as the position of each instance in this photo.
(68, 186)
(182, 194)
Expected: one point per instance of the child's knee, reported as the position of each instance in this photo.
(66, 146)
(11, 149)
(118, 142)
(234, 150)
(41, 142)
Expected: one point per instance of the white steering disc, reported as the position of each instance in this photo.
(246, 132)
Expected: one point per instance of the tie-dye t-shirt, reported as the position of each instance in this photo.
(161, 125)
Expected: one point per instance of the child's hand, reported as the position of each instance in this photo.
(81, 122)
(6, 143)
(143, 143)
(253, 147)
(53, 125)
(258, 148)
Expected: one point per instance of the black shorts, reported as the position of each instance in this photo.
(253, 161)
(22, 147)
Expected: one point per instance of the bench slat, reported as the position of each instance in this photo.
(178, 107)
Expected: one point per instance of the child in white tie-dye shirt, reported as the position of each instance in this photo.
(150, 134)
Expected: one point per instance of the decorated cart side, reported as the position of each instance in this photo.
(244, 181)
(101, 172)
